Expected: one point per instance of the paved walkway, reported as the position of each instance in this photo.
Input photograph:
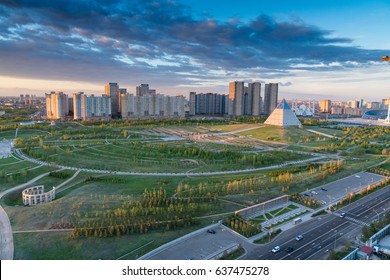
(20, 154)
(6, 238)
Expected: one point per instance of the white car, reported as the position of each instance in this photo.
(299, 237)
(314, 192)
(276, 249)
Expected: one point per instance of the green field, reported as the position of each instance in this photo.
(279, 134)
(173, 206)
(178, 156)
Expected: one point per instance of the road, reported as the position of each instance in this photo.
(327, 232)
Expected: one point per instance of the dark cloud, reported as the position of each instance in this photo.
(90, 40)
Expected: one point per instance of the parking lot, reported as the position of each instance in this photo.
(334, 191)
(202, 246)
(5, 148)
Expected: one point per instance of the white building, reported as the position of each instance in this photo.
(87, 107)
(57, 105)
(152, 105)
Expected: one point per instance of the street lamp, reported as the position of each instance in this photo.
(376, 213)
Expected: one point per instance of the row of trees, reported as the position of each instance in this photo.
(205, 189)
(152, 210)
(240, 225)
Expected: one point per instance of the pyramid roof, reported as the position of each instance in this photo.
(283, 116)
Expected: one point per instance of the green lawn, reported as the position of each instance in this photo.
(279, 134)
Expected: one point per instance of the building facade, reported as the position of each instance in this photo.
(152, 105)
(325, 106)
(57, 105)
(208, 104)
(112, 90)
(270, 97)
(91, 107)
(244, 101)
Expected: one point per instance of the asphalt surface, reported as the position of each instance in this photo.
(332, 192)
(203, 246)
(327, 232)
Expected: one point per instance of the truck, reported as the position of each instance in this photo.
(381, 249)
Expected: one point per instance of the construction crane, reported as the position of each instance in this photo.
(386, 57)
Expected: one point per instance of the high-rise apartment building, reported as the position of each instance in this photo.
(244, 100)
(325, 106)
(208, 104)
(270, 97)
(142, 89)
(254, 99)
(112, 91)
(236, 93)
(57, 105)
(77, 105)
(152, 105)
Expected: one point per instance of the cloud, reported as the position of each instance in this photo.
(145, 40)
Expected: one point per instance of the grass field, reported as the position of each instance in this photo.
(22, 133)
(279, 134)
(177, 156)
(232, 127)
(110, 149)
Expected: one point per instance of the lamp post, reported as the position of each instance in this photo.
(376, 213)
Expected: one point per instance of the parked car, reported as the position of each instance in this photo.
(299, 237)
(211, 231)
(323, 202)
(276, 249)
(314, 192)
(324, 189)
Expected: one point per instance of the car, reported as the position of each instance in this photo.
(211, 231)
(324, 189)
(299, 237)
(276, 249)
(289, 249)
(323, 202)
(305, 194)
(342, 215)
(314, 192)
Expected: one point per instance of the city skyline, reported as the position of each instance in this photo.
(315, 50)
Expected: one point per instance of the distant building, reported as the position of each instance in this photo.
(91, 107)
(142, 89)
(57, 105)
(208, 104)
(358, 103)
(152, 106)
(270, 97)
(112, 91)
(77, 105)
(236, 92)
(325, 106)
(244, 101)
(375, 114)
(283, 116)
(353, 111)
(337, 110)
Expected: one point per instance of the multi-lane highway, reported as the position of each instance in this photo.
(327, 232)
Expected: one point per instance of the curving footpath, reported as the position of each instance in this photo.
(21, 155)
(6, 237)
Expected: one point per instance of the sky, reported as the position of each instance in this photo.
(313, 49)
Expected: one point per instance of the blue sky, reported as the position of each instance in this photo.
(314, 49)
